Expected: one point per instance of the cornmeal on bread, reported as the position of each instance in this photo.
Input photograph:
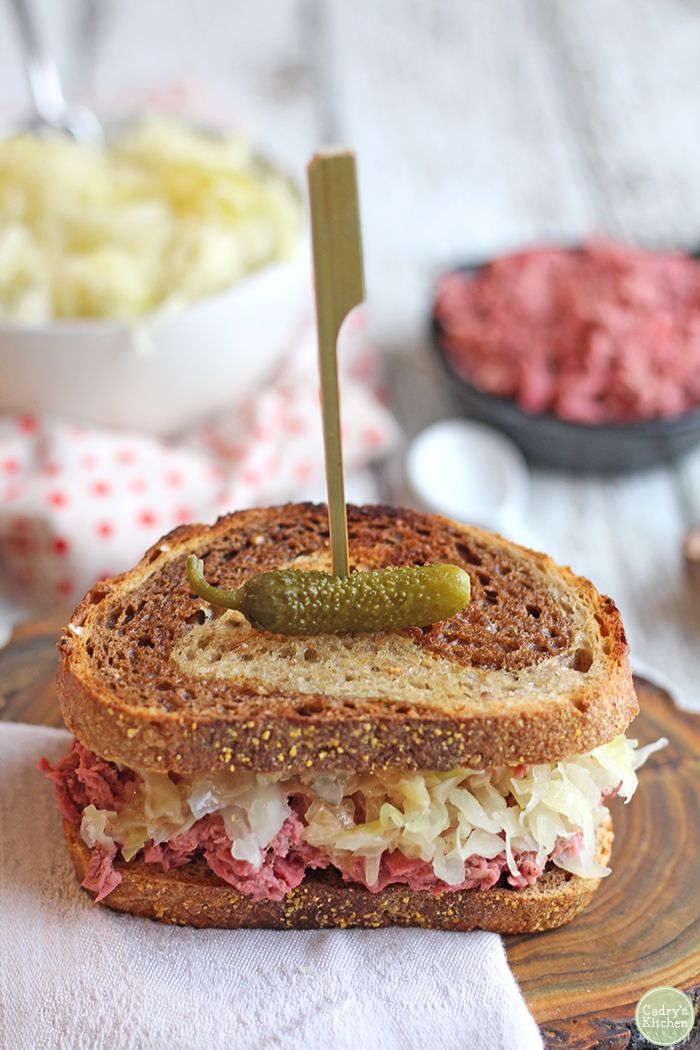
(450, 776)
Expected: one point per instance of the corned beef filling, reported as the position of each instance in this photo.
(283, 867)
(83, 779)
(604, 334)
(102, 877)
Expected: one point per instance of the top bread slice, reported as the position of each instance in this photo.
(534, 669)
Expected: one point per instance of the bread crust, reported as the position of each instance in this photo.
(194, 896)
(282, 730)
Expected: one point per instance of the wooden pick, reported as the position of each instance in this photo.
(337, 251)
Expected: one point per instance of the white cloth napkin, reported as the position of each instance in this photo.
(77, 976)
(78, 503)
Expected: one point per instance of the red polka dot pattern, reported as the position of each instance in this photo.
(78, 504)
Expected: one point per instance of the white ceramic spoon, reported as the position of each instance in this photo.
(470, 472)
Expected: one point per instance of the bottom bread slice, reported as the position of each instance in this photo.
(194, 896)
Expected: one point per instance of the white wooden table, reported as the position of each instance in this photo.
(480, 125)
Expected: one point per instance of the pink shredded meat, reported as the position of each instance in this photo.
(101, 876)
(82, 778)
(610, 333)
(284, 861)
(418, 874)
(480, 873)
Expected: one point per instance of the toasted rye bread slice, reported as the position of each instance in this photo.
(194, 896)
(533, 670)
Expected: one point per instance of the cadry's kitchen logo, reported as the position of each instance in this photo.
(664, 1016)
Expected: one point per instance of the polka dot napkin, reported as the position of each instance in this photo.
(78, 503)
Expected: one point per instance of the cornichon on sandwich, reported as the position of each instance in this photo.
(299, 601)
(224, 775)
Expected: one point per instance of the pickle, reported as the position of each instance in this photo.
(294, 601)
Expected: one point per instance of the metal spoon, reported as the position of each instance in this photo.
(53, 114)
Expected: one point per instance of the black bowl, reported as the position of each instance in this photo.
(550, 441)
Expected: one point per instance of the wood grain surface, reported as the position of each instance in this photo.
(27, 669)
(581, 982)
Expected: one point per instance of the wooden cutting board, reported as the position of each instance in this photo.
(642, 930)
(581, 982)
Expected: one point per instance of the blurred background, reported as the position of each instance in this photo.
(481, 127)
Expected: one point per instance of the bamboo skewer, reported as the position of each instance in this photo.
(339, 281)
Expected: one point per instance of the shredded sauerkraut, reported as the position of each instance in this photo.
(163, 215)
(442, 818)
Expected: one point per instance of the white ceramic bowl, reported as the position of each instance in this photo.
(164, 373)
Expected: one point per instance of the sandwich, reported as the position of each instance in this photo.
(451, 776)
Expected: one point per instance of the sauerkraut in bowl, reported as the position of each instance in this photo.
(119, 267)
(163, 215)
